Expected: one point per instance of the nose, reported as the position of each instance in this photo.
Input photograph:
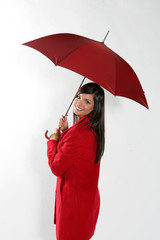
(79, 103)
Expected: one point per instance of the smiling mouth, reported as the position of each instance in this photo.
(79, 109)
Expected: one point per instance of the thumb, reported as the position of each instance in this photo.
(56, 130)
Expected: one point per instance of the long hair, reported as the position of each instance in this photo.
(96, 117)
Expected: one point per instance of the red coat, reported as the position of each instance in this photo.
(77, 198)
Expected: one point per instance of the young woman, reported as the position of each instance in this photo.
(74, 157)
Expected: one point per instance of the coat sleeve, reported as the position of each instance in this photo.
(62, 159)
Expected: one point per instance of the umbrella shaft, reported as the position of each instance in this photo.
(81, 83)
(75, 96)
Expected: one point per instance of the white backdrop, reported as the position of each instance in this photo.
(34, 94)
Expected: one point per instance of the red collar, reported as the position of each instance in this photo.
(83, 119)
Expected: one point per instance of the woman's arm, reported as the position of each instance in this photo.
(62, 159)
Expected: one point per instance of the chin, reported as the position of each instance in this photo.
(77, 114)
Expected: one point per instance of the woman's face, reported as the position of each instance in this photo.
(83, 104)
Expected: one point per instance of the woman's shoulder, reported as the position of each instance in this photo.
(83, 130)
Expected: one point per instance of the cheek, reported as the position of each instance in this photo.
(75, 101)
(91, 107)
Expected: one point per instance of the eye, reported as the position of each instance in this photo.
(78, 96)
(87, 101)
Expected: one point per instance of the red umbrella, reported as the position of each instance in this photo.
(94, 60)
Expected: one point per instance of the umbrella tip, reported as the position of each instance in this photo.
(105, 36)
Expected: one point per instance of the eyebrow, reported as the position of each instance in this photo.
(88, 99)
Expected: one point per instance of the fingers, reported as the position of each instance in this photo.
(56, 131)
(63, 117)
(62, 120)
(61, 123)
(55, 135)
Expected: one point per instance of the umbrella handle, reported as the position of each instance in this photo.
(46, 133)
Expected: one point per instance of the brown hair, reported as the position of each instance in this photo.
(96, 117)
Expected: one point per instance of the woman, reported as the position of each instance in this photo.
(74, 157)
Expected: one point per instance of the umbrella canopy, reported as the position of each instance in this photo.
(94, 60)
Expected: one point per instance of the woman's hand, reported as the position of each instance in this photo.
(63, 123)
(55, 135)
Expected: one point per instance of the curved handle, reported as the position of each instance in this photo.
(46, 134)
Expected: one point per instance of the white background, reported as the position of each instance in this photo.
(34, 94)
